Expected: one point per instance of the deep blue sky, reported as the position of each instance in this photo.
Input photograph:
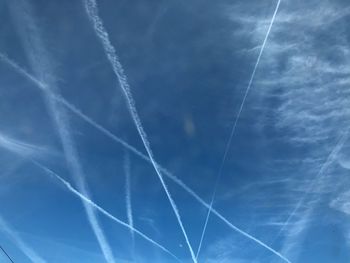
(286, 177)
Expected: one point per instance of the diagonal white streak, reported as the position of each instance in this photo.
(132, 149)
(128, 197)
(42, 66)
(18, 241)
(89, 202)
(92, 11)
(235, 125)
(84, 198)
(319, 175)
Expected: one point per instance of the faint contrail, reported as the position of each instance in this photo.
(235, 125)
(17, 240)
(116, 139)
(92, 11)
(330, 159)
(42, 65)
(128, 198)
(104, 212)
(25, 149)
(83, 197)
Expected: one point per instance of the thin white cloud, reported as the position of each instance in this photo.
(305, 71)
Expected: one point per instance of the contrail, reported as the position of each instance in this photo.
(84, 198)
(42, 66)
(25, 149)
(92, 11)
(235, 125)
(128, 198)
(17, 240)
(116, 139)
(89, 202)
(330, 159)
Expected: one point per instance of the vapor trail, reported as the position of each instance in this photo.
(89, 202)
(83, 197)
(92, 11)
(128, 198)
(17, 240)
(42, 65)
(319, 175)
(116, 139)
(235, 125)
(19, 147)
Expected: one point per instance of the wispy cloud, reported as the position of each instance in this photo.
(228, 144)
(42, 66)
(19, 242)
(304, 76)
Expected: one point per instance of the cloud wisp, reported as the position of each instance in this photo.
(228, 144)
(132, 149)
(305, 99)
(42, 66)
(18, 241)
(92, 11)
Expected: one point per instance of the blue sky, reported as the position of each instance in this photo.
(76, 76)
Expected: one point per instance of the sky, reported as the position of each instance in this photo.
(174, 131)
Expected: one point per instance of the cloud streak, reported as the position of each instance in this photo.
(42, 66)
(132, 149)
(307, 61)
(92, 11)
(128, 198)
(228, 144)
(89, 202)
(83, 198)
(21, 148)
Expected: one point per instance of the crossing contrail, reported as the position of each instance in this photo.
(89, 202)
(17, 240)
(84, 198)
(92, 11)
(41, 63)
(132, 149)
(330, 159)
(235, 125)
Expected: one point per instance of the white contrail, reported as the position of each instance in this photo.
(128, 198)
(17, 240)
(25, 149)
(330, 159)
(116, 139)
(41, 64)
(92, 11)
(235, 124)
(84, 198)
(89, 202)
